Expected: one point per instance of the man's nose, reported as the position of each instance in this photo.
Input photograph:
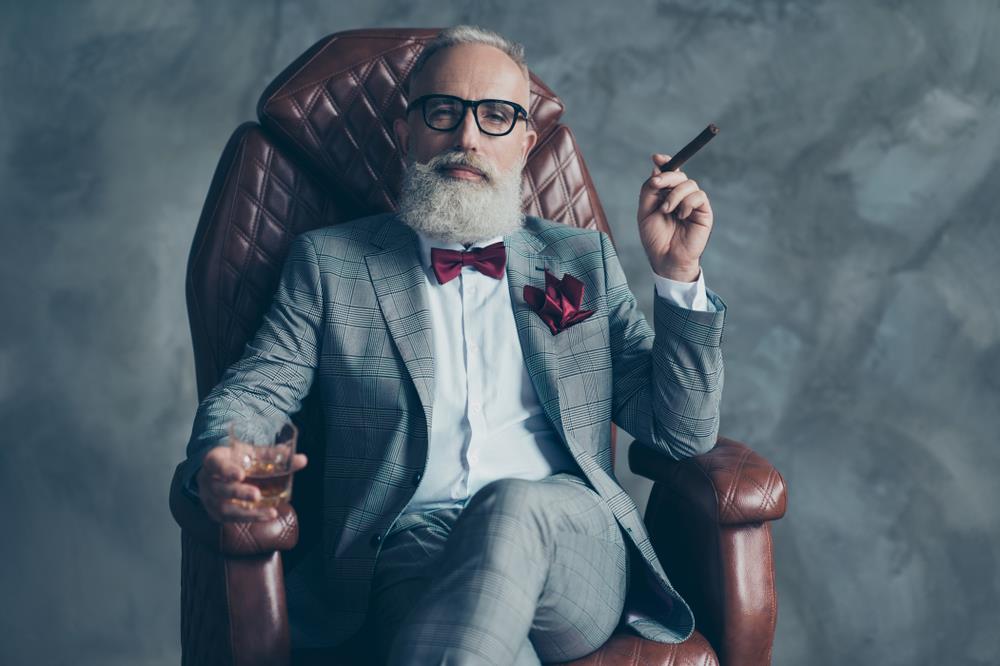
(467, 135)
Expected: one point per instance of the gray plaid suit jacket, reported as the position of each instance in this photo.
(350, 314)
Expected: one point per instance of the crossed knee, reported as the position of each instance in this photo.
(511, 497)
(509, 510)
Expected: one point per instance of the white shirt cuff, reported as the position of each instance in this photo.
(688, 295)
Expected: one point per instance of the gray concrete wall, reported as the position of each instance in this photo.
(856, 245)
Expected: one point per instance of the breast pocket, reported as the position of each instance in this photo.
(587, 335)
(585, 355)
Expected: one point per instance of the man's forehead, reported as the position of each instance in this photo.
(473, 70)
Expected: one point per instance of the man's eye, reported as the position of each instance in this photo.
(495, 113)
(442, 114)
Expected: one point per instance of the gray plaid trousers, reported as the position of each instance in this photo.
(527, 571)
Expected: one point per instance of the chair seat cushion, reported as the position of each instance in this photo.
(623, 649)
(627, 649)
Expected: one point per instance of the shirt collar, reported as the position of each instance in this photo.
(428, 242)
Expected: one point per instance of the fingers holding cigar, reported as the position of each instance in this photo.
(665, 179)
(675, 217)
(696, 201)
(659, 161)
(659, 183)
(673, 191)
(684, 199)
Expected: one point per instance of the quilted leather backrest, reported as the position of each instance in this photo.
(259, 200)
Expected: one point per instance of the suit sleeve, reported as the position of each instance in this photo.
(667, 383)
(277, 367)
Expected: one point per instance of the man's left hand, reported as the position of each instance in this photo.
(675, 221)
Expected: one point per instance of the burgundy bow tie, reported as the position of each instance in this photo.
(489, 260)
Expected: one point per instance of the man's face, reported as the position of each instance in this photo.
(469, 71)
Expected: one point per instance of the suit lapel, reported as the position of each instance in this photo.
(526, 265)
(398, 278)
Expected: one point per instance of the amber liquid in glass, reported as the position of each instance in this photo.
(274, 482)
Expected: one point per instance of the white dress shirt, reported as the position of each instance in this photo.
(487, 422)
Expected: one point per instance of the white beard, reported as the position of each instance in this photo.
(456, 210)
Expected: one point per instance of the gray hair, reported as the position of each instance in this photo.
(469, 34)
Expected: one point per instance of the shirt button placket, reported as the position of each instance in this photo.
(473, 375)
(468, 304)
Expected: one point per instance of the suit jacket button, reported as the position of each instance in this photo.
(417, 477)
(376, 540)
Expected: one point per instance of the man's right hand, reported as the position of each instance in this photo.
(221, 487)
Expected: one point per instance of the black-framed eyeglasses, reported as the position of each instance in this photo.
(444, 113)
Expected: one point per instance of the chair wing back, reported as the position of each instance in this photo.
(323, 153)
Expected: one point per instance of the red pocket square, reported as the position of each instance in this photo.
(559, 304)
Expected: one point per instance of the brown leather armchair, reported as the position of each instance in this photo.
(324, 153)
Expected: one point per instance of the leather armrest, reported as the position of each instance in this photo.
(731, 484)
(234, 539)
(709, 521)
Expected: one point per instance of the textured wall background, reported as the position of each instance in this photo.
(856, 244)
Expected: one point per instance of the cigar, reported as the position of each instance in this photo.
(689, 150)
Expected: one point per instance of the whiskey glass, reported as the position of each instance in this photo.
(264, 447)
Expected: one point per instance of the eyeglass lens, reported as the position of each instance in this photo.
(493, 117)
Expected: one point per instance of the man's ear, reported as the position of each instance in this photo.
(402, 130)
(530, 138)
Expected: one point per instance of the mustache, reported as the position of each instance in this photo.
(458, 158)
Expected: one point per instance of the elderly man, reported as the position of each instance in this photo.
(470, 361)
